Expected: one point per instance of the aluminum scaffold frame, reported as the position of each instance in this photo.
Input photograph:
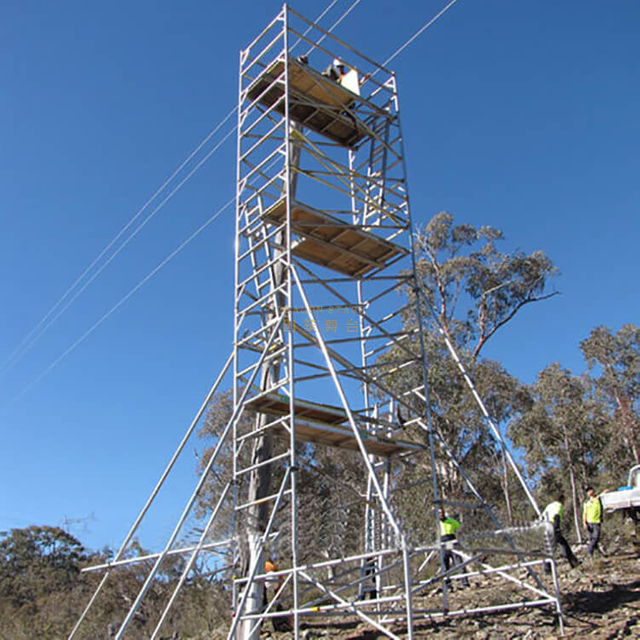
(324, 233)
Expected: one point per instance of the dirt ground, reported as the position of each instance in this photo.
(600, 600)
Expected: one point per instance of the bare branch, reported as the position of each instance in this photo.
(483, 338)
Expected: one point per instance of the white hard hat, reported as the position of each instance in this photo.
(338, 63)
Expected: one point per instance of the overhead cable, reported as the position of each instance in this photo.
(116, 306)
(70, 301)
(306, 31)
(419, 32)
(334, 25)
(67, 299)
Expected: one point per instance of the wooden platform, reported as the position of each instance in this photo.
(316, 102)
(333, 243)
(324, 424)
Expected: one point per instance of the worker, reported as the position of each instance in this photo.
(269, 567)
(280, 623)
(448, 528)
(553, 515)
(592, 519)
(336, 70)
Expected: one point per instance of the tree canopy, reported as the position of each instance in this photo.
(473, 287)
(617, 356)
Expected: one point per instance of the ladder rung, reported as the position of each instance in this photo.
(286, 454)
(254, 503)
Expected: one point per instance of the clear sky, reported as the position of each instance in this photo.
(518, 115)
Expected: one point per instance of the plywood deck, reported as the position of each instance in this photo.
(324, 424)
(316, 102)
(333, 243)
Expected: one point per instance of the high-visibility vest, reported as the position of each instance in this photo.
(553, 509)
(593, 511)
(448, 526)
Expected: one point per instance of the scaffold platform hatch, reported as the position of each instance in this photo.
(323, 248)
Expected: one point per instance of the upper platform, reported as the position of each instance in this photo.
(324, 424)
(334, 243)
(315, 101)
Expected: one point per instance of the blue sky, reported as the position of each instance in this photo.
(522, 116)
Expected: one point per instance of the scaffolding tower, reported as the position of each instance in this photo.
(323, 248)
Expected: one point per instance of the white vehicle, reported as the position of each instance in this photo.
(627, 497)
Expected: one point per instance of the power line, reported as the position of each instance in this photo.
(419, 32)
(47, 320)
(306, 31)
(104, 265)
(334, 25)
(118, 304)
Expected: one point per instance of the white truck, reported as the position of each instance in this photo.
(627, 497)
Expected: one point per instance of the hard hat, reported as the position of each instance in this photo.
(338, 63)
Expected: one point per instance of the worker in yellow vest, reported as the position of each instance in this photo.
(553, 514)
(448, 528)
(592, 519)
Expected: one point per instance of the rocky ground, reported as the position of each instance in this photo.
(600, 599)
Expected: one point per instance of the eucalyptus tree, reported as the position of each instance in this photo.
(470, 290)
(560, 429)
(617, 359)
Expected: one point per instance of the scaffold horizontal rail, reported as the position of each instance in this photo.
(324, 424)
(317, 102)
(334, 243)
